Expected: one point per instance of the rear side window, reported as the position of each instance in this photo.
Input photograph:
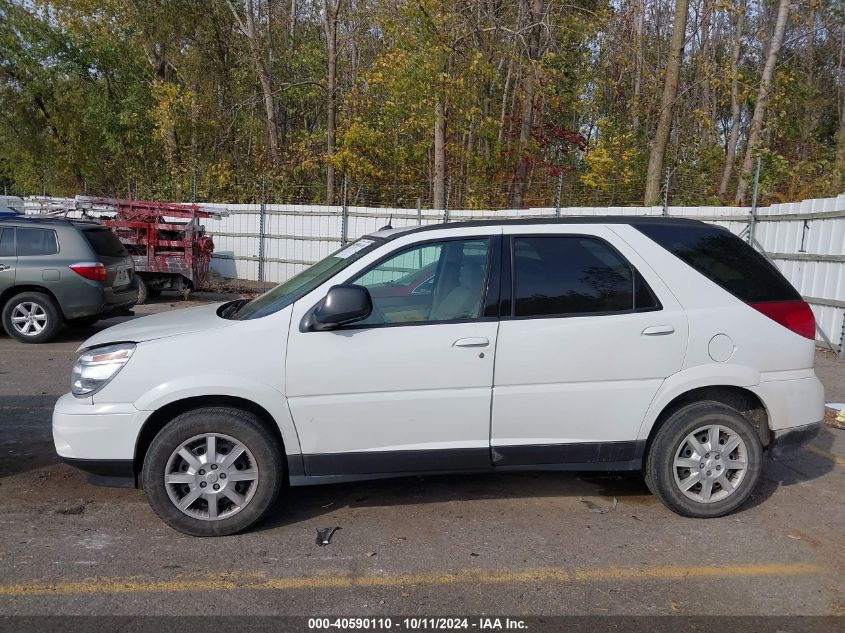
(571, 275)
(37, 242)
(7, 242)
(105, 243)
(725, 259)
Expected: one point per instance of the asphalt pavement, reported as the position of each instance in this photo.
(530, 543)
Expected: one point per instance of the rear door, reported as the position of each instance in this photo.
(113, 255)
(36, 250)
(8, 259)
(592, 333)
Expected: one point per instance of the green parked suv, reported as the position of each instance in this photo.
(55, 271)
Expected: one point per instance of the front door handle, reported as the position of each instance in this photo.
(472, 341)
(658, 330)
(4, 267)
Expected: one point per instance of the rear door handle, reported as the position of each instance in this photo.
(472, 341)
(4, 267)
(658, 330)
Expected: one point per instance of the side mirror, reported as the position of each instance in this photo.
(342, 305)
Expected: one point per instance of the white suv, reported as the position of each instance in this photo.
(666, 346)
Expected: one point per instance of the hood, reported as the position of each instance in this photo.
(161, 325)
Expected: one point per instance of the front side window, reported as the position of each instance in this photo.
(573, 275)
(37, 242)
(436, 281)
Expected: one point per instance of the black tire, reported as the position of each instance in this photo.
(50, 318)
(660, 470)
(234, 423)
(143, 291)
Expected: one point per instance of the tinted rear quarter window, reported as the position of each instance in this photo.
(104, 242)
(725, 259)
(36, 242)
(571, 275)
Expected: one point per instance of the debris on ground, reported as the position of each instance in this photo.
(370, 554)
(594, 507)
(324, 536)
(834, 415)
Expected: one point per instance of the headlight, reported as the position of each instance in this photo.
(96, 367)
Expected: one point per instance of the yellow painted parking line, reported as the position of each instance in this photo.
(839, 461)
(232, 582)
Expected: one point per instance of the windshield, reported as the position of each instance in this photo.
(299, 285)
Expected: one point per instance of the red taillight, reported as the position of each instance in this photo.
(90, 270)
(793, 315)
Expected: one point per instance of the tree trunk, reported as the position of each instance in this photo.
(708, 129)
(639, 24)
(762, 101)
(330, 24)
(736, 111)
(520, 177)
(839, 165)
(248, 29)
(667, 102)
(439, 195)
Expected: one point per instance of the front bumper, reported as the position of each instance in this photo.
(787, 440)
(98, 438)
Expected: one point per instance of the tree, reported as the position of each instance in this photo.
(667, 104)
(331, 10)
(533, 13)
(246, 25)
(762, 101)
(736, 112)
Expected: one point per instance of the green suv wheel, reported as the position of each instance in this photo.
(31, 317)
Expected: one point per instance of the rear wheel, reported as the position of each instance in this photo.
(143, 291)
(213, 471)
(31, 317)
(705, 460)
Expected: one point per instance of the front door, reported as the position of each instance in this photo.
(408, 389)
(8, 260)
(591, 336)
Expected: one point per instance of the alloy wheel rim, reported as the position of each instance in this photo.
(710, 463)
(29, 318)
(211, 476)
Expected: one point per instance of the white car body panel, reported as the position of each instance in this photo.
(162, 325)
(200, 363)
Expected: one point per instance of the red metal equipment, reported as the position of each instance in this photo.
(168, 254)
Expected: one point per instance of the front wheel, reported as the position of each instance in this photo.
(705, 460)
(213, 471)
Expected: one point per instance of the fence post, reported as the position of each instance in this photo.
(666, 193)
(557, 197)
(446, 203)
(344, 218)
(419, 211)
(262, 211)
(752, 220)
(842, 338)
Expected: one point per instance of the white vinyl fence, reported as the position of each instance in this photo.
(273, 242)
